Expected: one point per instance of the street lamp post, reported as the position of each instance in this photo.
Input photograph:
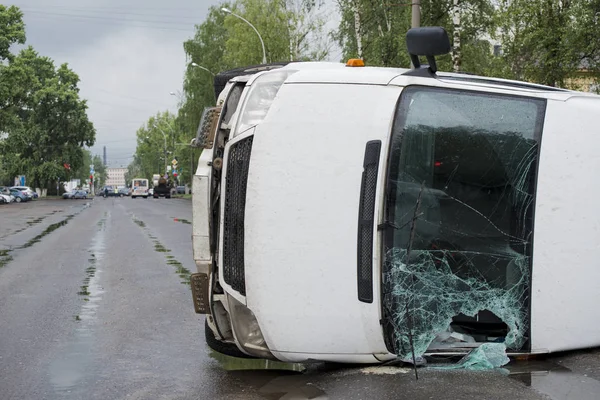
(201, 67)
(228, 11)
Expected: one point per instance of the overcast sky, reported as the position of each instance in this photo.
(128, 54)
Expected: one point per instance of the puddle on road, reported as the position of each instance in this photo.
(273, 379)
(67, 371)
(242, 364)
(183, 221)
(555, 381)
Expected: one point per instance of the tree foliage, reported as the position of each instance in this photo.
(155, 141)
(43, 120)
(291, 30)
(550, 41)
(376, 31)
(12, 30)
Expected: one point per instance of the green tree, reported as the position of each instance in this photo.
(291, 30)
(100, 174)
(12, 30)
(45, 119)
(548, 41)
(376, 31)
(43, 122)
(206, 49)
(155, 141)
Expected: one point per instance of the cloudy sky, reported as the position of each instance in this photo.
(128, 54)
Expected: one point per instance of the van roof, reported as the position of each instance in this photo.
(330, 72)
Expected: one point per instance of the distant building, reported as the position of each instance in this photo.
(115, 177)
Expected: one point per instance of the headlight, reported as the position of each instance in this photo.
(260, 97)
(246, 330)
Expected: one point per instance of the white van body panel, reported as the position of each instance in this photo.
(301, 218)
(566, 271)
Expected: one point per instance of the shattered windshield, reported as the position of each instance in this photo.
(459, 206)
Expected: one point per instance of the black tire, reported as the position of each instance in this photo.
(221, 79)
(168, 196)
(229, 349)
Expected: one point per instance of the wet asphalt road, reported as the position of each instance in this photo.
(94, 304)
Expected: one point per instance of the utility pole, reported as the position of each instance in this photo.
(415, 20)
(416, 14)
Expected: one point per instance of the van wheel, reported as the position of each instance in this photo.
(229, 349)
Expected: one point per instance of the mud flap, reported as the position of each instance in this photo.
(200, 283)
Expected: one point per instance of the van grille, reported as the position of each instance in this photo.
(236, 180)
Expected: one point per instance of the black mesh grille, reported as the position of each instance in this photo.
(366, 217)
(236, 180)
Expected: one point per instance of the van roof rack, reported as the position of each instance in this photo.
(427, 41)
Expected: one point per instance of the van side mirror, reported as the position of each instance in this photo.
(428, 41)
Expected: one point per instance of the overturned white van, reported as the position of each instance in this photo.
(358, 214)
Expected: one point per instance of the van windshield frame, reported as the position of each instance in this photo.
(459, 211)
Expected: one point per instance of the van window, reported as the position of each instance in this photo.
(460, 194)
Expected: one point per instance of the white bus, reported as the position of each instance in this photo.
(139, 188)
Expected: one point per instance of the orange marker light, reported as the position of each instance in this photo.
(355, 62)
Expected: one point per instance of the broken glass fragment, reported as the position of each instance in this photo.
(434, 295)
(486, 356)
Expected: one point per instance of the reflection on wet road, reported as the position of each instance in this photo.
(555, 381)
(67, 370)
(95, 304)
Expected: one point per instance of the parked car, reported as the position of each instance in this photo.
(180, 189)
(20, 196)
(79, 194)
(27, 190)
(6, 198)
(6, 195)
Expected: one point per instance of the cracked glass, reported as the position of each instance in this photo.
(458, 233)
